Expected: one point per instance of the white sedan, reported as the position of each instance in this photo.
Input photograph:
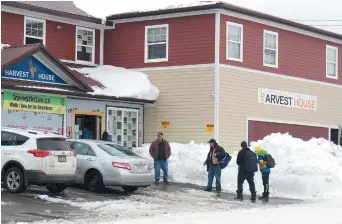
(103, 163)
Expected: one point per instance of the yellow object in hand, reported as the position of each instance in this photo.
(261, 162)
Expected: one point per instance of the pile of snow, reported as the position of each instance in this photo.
(121, 82)
(305, 169)
(4, 45)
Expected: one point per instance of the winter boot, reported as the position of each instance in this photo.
(266, 193)
(253, 197)
(157, 181)
(239, 196)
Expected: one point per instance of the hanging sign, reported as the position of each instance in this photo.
(34, 102)
(165, 125)
(33, 70)
(210, 128)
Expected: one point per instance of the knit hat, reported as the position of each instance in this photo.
(243, 144)
(258, 149)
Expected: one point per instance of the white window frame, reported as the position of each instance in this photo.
(277, 50)
(241, 43)
(44, 29)
(146, 44)
(326, 62)
(93, 47)
(124, 110)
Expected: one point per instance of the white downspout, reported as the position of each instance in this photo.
(217, 76)
(101, 45)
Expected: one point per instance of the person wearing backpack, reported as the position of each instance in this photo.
(265, 170)
(212, 162)
(248, 165)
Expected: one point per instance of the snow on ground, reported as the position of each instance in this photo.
(326, 212)
(121, 82)
(305, 169)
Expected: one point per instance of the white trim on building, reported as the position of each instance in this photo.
(276, 49)
(217, 76)
(335, 49)
(146, 44)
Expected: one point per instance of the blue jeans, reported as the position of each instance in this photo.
(214, 171)
(161, 164)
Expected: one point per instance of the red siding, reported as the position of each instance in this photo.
(12, 29)
(60, 42)
(191, 41)
(299, 55)
(258, 130)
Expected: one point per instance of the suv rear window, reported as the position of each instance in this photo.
(53, 144)
(116, 150)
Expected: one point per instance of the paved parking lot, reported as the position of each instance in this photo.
(29, 207)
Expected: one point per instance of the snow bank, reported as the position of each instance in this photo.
(4, 45)
(121, 82)
(305, 169)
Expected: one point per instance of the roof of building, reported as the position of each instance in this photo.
(211, 5)
(11, 55)
(58, 8)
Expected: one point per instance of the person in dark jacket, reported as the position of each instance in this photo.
(105, 136)
(243, 174)
(216, 152)
(160, 151)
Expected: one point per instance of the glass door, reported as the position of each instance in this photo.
(122, 125)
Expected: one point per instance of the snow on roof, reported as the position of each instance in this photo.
(4, 45)
(120, 82)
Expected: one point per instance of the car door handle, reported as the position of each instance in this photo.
(90, 159)
(8, 153)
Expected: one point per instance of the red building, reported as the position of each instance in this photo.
(223, 71)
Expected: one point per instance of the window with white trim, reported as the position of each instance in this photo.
(331, 62)
(270, 49)
(34, 31)
(85, 44)
(234, 41)
(156, 43)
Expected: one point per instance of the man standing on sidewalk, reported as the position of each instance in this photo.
(216, 152)
(160, 151)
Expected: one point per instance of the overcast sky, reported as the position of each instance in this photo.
(330, 11)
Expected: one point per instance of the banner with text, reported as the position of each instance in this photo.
(34, 102)
(287, 99)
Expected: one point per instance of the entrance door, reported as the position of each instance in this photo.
(87, 125)
(122, 126)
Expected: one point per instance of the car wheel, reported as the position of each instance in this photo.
(94, 181)
(130, 189)
(14, 180)
(56, 188)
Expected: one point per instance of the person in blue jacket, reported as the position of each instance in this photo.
(265, 171)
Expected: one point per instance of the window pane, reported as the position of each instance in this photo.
(28, 23)
(34, 32)
(34, 25)
(331, 55)
(84, 53)
(40, 33)
(157, 51)
(157, 31)
(234, 50)
(40, 25)
(150, 32)
(270, 41)
(28, 31)
(234, 33)
(331, 69)
(150, 39)
(163, 31)
(30, 40)
(269, 57)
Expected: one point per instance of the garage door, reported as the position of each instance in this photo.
(259, 129)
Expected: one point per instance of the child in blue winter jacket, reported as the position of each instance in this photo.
(265, 171)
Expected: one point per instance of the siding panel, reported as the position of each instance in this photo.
(240, 101)
(185, 102)
(299, 55)
(191, 41)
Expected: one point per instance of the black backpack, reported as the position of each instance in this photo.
(270, 162)
(225, 160)
(251, 161)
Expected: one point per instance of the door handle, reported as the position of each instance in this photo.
(90, 159)
(8, 153)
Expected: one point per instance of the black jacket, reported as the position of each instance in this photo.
(219, 152)
(240, 159)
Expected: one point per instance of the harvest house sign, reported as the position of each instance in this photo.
(287, 99)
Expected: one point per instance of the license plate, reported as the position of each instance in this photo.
(140, 168)
(62, 158)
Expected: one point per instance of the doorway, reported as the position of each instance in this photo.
(334, 135)
(87, 125)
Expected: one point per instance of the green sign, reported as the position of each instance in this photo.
(34, 102)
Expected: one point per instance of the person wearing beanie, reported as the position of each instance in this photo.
(215, 154)
(265, 171)
(245, 160)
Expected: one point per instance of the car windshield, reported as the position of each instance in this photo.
(116, 150)
(53, 144)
